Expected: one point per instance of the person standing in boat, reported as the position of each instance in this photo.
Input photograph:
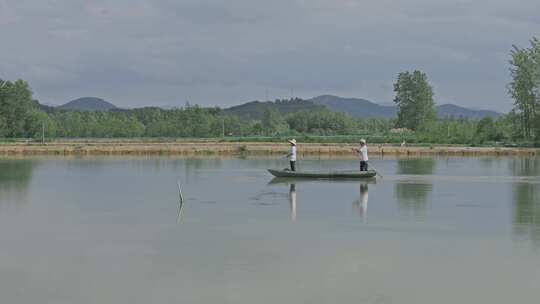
(292, 154)
(363, 152)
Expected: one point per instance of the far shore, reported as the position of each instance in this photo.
(111, 147)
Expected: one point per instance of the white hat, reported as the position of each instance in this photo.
(363, 141)
(293, 141)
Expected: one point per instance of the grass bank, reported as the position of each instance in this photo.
(216, 147)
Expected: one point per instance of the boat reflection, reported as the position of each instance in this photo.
(297, 180)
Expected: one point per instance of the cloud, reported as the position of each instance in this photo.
(136, 52)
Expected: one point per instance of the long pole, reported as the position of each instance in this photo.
(180, 203)
(42, 132)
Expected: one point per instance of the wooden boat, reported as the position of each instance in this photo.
(324, 174)
(302, 180)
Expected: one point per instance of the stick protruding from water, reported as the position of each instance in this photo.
(180, 202)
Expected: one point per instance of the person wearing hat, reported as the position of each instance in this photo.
(362, 151)
(292, 154)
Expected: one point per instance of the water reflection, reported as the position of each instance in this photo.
(421, 166)
(180, 203)
(525, 166)
(527, 211)
(193, 167)
(361, 204)
(298, 180)
(526, 200)
(15, 177)
(413, 195)
(292, 201)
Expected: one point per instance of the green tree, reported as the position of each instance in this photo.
(414, 98)
(273, 123)
(15, 105)
(39, 124)
(525, 87)
(486, 130)
(3, 127)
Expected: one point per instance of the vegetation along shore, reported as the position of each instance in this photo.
(201, 148)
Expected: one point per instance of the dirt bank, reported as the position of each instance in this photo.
(228, 148)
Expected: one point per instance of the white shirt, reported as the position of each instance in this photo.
(363, 153)
(293, 153)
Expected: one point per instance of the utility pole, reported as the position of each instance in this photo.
(223, 127)
(42, 132)
(447, 126)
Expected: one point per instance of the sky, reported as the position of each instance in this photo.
(226, 52)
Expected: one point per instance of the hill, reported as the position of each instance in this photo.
(255, 109)
(87, 104)
(356, 107)
(43, 107)
(452, 110)
(366, 109)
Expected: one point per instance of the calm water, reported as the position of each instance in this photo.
(109, 230)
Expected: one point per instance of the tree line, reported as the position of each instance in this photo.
(22, 117)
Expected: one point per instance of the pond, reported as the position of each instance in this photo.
(112, 230)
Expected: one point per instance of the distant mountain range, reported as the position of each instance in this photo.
(452, 110)
(356, 107)
(366, 109)
(256, 109)
(88, 104)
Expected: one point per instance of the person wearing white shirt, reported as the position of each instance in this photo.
(363, 152)
(292, 154)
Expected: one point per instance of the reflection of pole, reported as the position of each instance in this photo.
(180, 203)
(292, 201)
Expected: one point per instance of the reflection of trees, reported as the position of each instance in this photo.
(193, 165)
(525, 166)
(15, 176)
(527, 211)
(414, 195)
(416, 166)
(526, 199)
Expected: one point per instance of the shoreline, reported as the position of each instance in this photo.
(99, 148)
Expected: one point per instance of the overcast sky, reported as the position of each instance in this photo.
(224, 52)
